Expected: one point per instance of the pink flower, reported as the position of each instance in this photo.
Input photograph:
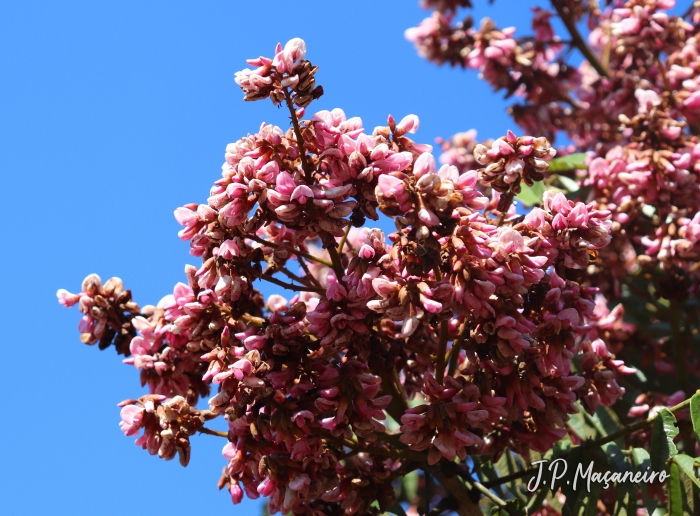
(409, 124)
(132, 416)
(67, 299)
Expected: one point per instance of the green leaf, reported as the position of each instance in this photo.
(537, 500)
(687, 466)
(662, 434)
(410, 486)
(610, 421)
(507, 466)
(570, 162)
(616, 457)
(695, 414)
(573, 459)
(587, 502)
(568, 183)
(641, 462)
(577, 423)
(626, 503)
(396, 509)
(531, 195)
(485, 469)
(675, 492)
(592, 502)
(622, 503)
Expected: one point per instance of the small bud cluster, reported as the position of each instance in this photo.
(511, 160)
(276, 77)
(167, 425)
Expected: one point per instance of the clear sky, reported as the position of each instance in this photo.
(112, 114)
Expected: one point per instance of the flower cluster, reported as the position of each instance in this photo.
(275, 78)
(107, 312)
(629, 227)
(167, 425)
(511, 160)
(473, 329)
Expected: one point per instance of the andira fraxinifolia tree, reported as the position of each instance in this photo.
(527, 306)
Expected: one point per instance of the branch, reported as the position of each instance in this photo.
(692, 6)
(509, 196)
(442, 350)
(209, 431)
(458, 491)
(337, 265)
(576, 38)
(345, 237)
(297, 132)
(290, 286)
(446, 504)
(589, 445)
(311, 257)
(311, 277)
(453, 357)
(402, 453)
(679, 344)
(255, 321)
(292, 276)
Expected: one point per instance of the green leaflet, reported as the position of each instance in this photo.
(531, 195)
(591, 508)
(695, 414)
(516, 486)
(675, 492)
(410, 486)
(688, 494)
(640, 460)
(506, 466)
(577, 423)
(540, 496)
(622, 504)
(570, 162)
(577, 456)
(396, 509)
(687, 466)
(662, 434)
(568, 183)
(486, 470)
(608, 419)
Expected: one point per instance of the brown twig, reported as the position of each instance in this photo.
(442, 351)
(290, 286)
(337, 265)
(311, 277)
(453, 357)
(209, 431)
(577, 40)
(458, 491)
(293, 276)
(300, 138)
(297, 252)
(692, 6)
(256, 321)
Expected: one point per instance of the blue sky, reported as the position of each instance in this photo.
(111, 116)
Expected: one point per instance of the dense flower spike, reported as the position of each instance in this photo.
(475, 328)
